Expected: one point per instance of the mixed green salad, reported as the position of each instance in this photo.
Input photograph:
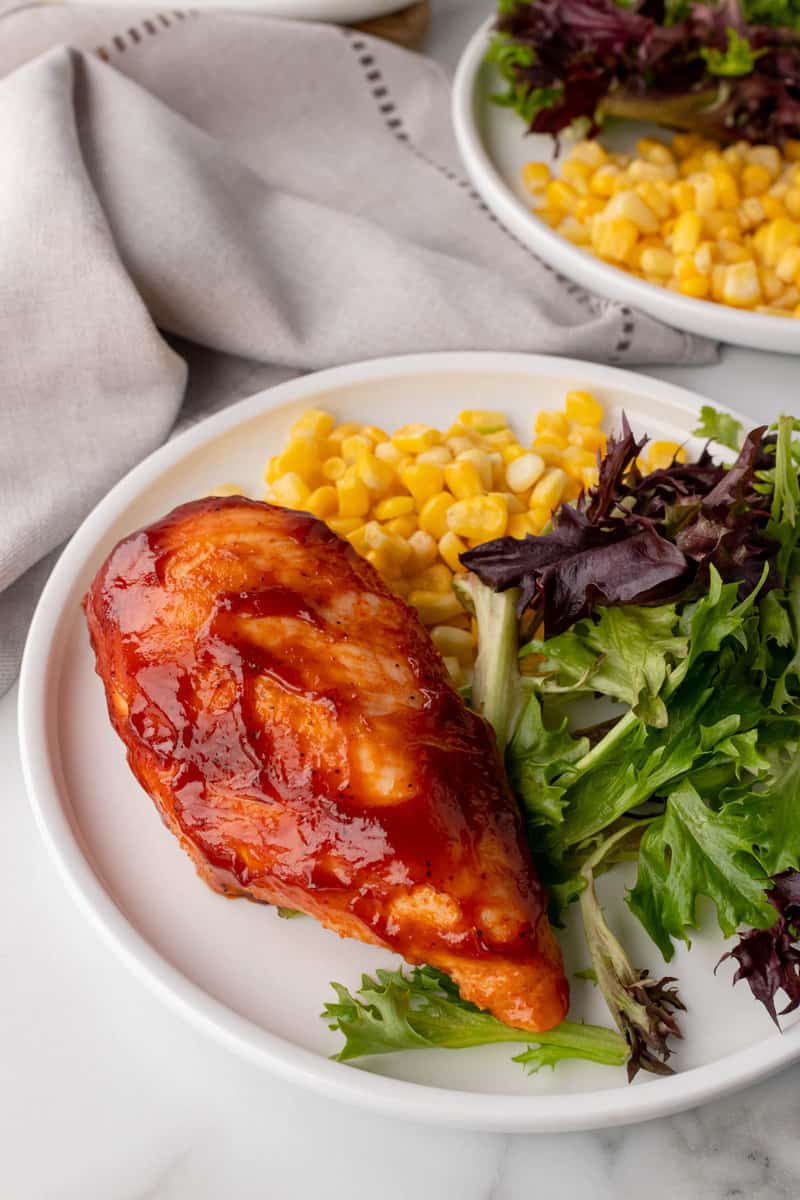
(640, 664)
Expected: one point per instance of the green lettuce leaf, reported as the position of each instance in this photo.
(538, 762)
(693, 851)
(421, 1007)
(720, 427)
(738, 57)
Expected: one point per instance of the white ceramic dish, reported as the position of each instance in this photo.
(255, 982)
(494, 147)
(307, 10)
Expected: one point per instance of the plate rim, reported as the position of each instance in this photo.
(757, 331)
(500, 1112)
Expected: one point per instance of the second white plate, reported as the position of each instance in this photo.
(495, 146)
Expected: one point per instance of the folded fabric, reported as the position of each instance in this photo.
(225, 201)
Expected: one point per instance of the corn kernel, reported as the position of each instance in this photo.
(540, 517)
(433, 514)
(686, 234)
(614, 238)
(589, 151)
(458, 443)
(755, 179)
(483, 420)
(227, 489)
(482, 463)
(344, 525)
(414, 438)
(436, 578)
(767, 157)
(388, 453)
(575, 458)
(683, 196)
(792, 202)
(520, 525)
(353, 497)
(393, 506)
(291, 490)
(524, 471)
(780, 235)
(560, 196)
(395, 552)
(589, 437)
(453, 643)
(358, 539)
(378, 476)
(589, 477)
(334, 468)
(440, 455)
(732, 252)
(741, 287)
(696, 287)
(549, 490)
(478, 517)
(315, 422)
(322, 502)
(346, 429)
(550, 450)
(423, 550)
(423, 480)
(604, 180)
(451, 548)
(536, 176)
(434, 607)
(657, 262)
(773, 207)
(788, 266)
(301, 456)
(273, 468)
(583, 408)
(463, 480)
(403, 526)
(663, 454)
(727, 189)
(353, 446)
(548, 421)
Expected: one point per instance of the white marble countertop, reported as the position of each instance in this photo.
(105, 1094)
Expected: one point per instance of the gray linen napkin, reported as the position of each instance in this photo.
(226, 201)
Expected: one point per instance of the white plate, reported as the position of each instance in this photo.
(257, 982)
(495, 146)
(307, 10)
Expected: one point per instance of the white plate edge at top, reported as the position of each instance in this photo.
(759, 331)
(412, 1101)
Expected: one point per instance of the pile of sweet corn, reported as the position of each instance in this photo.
(711, 222)
(413, 501)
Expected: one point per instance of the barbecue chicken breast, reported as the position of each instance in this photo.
(296, 728)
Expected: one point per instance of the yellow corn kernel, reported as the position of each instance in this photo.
(344, 525)
(453, 643)
(663, 454)
(589, 437)
(388, 453)
(302, 456)
(463, 480)
(683, 196)
(314, 421)
(705, 192)
(575, 458)
(657, 262)
(653, 151)
(603, 182)
(589, 477)
(273, 468)
(227, 489)
(704, 257)
(732, 252)
(393, 506)
(334, 468)
(614, 238)
(696, 286)
(780, 235)
(577, 174)
(440, 455)
(549, 490)
(686, 234)
(718, 282)
(751, 212)
(402, 526)
(346, 429)
(423, 481)
(352, 495)
(414, 438)
(453, 668)
(377, 475)
(767, 157)
(434, 608)
(655, 199)
(516, 502)
(433, 514)
(509, 453)
(550, 450)
(685, 267)
(291, 490)
(550, 421)
(395, 551)
(358, 540)
(483, 420)
(589, 151)
(524, 471)
(436, 578)
(773, 207)
(451, 548)
(560, 196)
(574, 230)
(520, 525)
(755, 179)
(375, 434)
(482, 463)
(478, 518)
(771, 285)
(685, 143)
(498, 468)
(791, 149)
(540, 517)
(423, 550)
(792, 202)
(458, 443)
(322, 502)
(536, 176)
(741, 287)
(727, 188)
(354, 445)
(583, 408)
(788, 266)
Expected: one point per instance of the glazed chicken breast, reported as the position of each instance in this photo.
(296, 728)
